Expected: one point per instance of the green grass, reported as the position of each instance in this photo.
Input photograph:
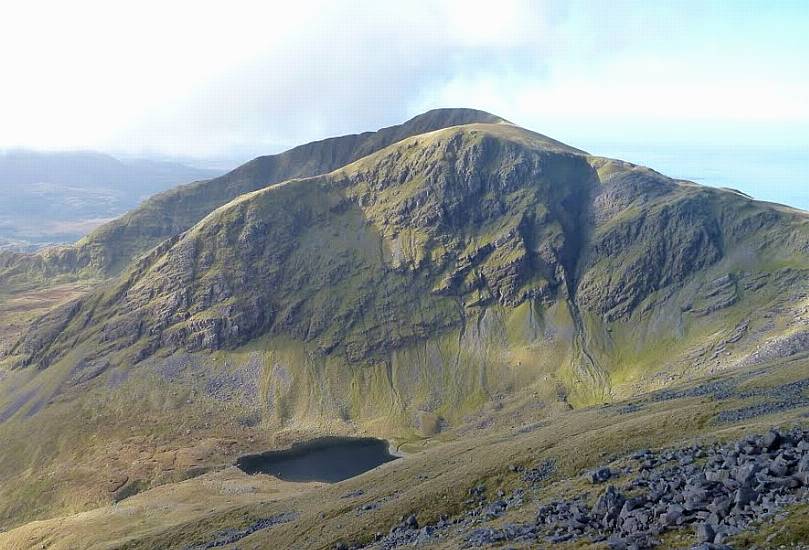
(576, 440)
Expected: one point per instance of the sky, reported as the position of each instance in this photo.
(236, 79)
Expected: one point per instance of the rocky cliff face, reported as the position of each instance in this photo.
(417, 239)
(363, 261)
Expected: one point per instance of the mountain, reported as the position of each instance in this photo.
(112, 246)
(59, 196)
(410, 283)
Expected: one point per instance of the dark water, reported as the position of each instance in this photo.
(328, 459)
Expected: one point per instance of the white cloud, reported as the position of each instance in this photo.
(247, 77)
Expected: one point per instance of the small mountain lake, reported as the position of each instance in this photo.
(329, 459)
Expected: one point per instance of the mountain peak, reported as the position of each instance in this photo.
(453, 116)
(400, 283)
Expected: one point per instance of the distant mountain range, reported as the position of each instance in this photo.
(56, 197)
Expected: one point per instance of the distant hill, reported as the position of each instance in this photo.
(57, 197)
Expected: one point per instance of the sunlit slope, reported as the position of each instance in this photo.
(493, 449)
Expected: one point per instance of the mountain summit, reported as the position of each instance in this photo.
(393, 282)
(111, 247)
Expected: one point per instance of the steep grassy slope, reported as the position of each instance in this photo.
(111, 247)
(396, 295)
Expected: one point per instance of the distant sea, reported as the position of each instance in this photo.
(780, 176)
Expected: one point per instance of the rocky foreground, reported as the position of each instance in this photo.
(716, 491)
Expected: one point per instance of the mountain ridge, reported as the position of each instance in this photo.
(400, 295)
(682, 218)
(108, 249)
